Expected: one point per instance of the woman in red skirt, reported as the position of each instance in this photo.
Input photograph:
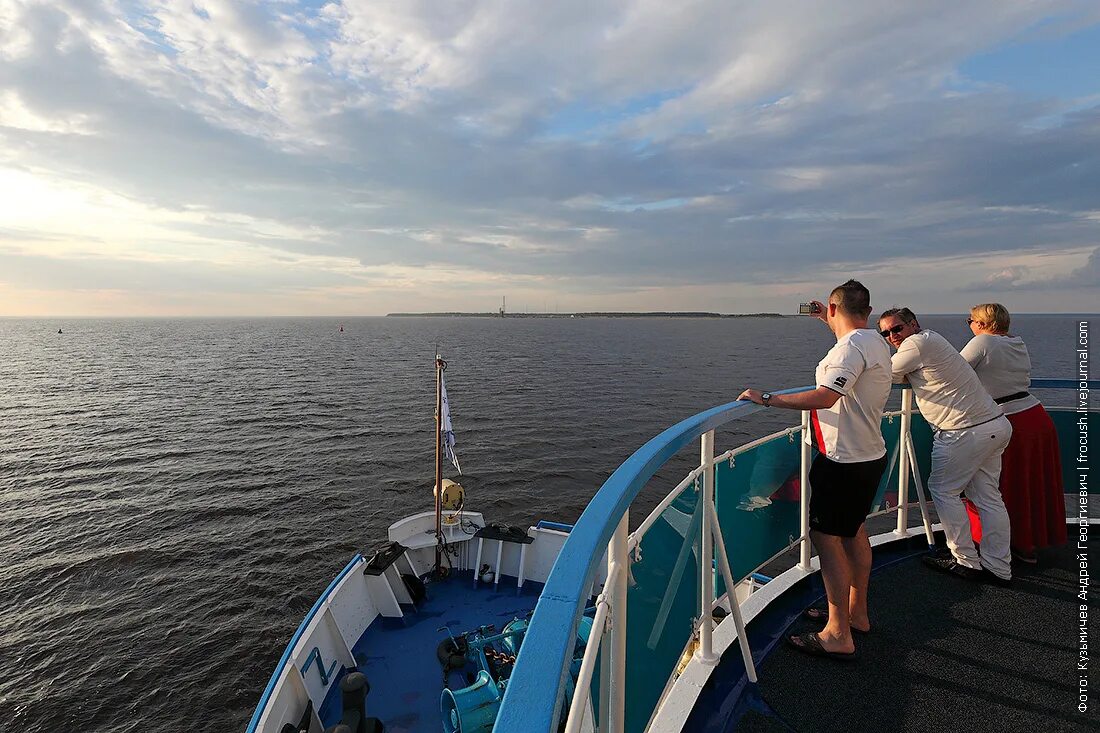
(1031, 471)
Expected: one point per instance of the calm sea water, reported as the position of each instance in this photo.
(175, 494)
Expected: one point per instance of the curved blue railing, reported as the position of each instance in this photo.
(270, 689)
(533, 699)
(535, 688)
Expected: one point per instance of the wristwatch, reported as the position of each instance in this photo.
(766, 399)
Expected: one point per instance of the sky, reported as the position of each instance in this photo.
(244, 158)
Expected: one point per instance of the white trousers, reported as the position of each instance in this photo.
(970, 460)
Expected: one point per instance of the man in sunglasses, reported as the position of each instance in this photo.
(969, 434)
(853, 386)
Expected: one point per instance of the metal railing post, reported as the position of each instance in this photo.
(706, 653)
(582, 693)
(903, 462)
(731, 593)
(804, 490)
(921, 501)
(604, 712)
(613, 711)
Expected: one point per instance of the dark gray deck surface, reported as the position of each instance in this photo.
(944, 654)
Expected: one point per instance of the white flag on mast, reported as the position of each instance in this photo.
(448, 429)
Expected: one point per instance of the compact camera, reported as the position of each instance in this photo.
(808, 309)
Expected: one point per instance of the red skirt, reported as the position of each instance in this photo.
(1031, 484)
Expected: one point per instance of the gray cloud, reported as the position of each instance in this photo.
(150, 278)
(1087, 276)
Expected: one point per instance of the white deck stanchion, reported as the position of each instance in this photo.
(605, 674)
(618, 554)
(705, 653)
(922, 502)
(903, 462)
(582, 694)
(735, 607)
(496, 572)
(522, 566)
(477, 563)
(804, 494)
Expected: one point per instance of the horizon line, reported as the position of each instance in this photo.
(494, 314)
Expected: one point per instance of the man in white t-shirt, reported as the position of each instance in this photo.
(969, 434)
(853, 385)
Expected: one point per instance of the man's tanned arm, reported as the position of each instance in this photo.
(821, 398)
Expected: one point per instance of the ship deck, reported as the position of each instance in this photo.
(943, 654)
(398, 655)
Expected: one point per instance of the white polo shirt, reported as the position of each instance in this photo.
(948, 392)
(1004, 368)
(858, 368)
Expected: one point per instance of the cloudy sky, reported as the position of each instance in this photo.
(235, 157)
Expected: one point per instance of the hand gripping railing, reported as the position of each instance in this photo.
(534, 697)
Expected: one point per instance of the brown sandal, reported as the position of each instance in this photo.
(821, 616)
(811, 644)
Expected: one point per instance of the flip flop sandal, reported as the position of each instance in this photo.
(811, 644)
(821, 616)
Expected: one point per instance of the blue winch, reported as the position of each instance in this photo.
(473, 709)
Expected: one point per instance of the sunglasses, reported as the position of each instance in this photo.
(971, 320)
(895, 330)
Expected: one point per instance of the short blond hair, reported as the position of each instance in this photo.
(993, 315)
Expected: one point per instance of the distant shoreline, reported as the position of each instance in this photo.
(592, 314)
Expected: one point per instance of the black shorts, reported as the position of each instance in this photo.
(841, 494)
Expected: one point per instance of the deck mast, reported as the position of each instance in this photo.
(440, 365)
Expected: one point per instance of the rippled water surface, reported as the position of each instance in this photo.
(175, 494)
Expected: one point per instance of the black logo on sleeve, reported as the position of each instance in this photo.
(840, 381)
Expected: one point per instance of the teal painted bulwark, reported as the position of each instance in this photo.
(758, 503)
(662, 604)
(922, 446)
